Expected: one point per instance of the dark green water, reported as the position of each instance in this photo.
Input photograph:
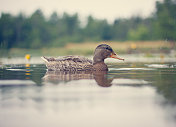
(129, 95)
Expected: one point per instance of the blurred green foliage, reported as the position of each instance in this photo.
(140, 33)
(37, 31)
(166, 19)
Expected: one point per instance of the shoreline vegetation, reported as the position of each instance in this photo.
(87, 49)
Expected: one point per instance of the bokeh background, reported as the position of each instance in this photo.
(74, 27)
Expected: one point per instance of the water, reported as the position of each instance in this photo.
(129, 95)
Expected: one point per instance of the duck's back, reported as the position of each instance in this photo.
(68, 63)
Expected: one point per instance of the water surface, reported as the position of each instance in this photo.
(129, 95)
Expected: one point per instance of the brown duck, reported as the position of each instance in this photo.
(78, 63)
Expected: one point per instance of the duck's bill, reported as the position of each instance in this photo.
(113, 55)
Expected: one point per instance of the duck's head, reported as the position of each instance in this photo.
(102, 52)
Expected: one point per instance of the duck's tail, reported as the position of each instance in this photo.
(45, 59)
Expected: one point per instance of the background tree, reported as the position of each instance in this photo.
(166, 19)
(7, 35)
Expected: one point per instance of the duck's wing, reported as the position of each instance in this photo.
(68, 63)
(76, 59)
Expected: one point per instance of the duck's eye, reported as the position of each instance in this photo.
(108, 48)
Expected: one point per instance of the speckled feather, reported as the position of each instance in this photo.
(68, 63)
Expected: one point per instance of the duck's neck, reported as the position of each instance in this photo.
(98, 64)
(98, 59)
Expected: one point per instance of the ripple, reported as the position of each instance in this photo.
(157, 65)
(129, 82)
(126, 69)
(18, 69)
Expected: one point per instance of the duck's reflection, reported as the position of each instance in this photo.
(58, 76)
(102, 79)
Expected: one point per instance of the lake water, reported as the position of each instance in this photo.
(129, 95)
